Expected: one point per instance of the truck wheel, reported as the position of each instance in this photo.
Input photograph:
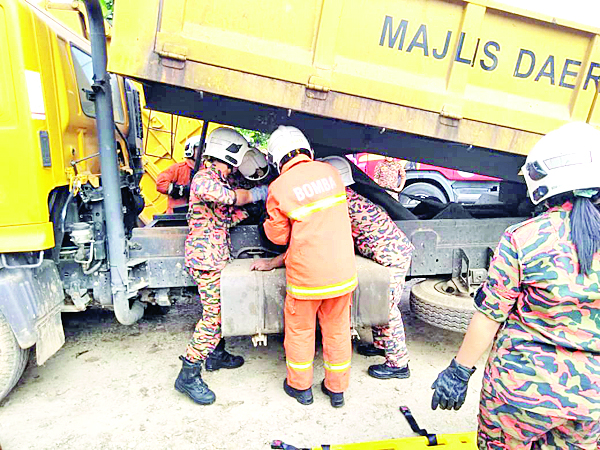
(437, 302)
(424, 190)
(13, 358)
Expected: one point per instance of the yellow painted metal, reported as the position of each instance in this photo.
(452, 69)
(164, 134)
(459, 441)
(47, 139)
(26, 238)
(164, 139)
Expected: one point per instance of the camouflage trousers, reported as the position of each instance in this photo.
(391, 337)
(208, 329)
(505, 427)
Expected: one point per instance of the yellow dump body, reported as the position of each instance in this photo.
(46, 125)
(477, 73)
(164, 140)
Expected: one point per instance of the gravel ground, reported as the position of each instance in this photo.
(111, 387)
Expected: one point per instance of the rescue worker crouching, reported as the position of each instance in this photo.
(213, 210)
(175, 181)
(540, 306)
(306, 207)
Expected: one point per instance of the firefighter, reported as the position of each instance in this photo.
(540, 305)
(377, 237)
(214, 209)
(306, 208)
(175, 181)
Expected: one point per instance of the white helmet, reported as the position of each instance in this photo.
(564, 160)
(342, 165)
(226, 145)
(284, 140)
(191, 146)
(254, 165)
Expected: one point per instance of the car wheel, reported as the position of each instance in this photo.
(423, 190)
(13, 358)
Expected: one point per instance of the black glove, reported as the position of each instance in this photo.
(178, 190)
(451, 386)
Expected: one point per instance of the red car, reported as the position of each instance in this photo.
(439, 183)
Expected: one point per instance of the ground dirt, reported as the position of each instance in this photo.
(111, 387)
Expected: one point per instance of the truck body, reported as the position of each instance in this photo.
(459, 84)
(465, 85)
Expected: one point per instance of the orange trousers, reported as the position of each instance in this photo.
(300, 326)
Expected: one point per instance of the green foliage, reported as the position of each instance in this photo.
(256, 138)
(107, 8)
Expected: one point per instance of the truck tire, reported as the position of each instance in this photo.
(430, 302)
(13, 358)
(424, 190)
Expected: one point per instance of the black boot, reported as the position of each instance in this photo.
(369, 350)
(220, 359)
(189, 381)
(304, 397)
(336, 398)
(384, 372)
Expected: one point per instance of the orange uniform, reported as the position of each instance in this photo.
(307, 209)
(178, 173)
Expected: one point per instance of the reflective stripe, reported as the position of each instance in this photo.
(319, 205)
(336, 367)
(299, 366)
(338, 288)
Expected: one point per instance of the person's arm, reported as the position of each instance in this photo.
(480, 334)
(377, 174)
(494, 301)
(165, 178)
(256, 194)
(277, 227)
(402, 176)
(268, 264)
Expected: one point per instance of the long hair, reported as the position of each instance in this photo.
(585, 227)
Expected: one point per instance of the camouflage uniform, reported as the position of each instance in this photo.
(542, 378)
(388, 174)
(207, 251)
(377, 237)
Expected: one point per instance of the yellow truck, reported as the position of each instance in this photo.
(74, 161)
(468, 85)
(50, 179)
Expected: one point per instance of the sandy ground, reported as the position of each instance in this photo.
(111, 387)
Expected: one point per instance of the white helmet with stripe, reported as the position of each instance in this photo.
(191, 147)
(254, 165)
(226, 145)
(284, 140)
(564, 160)
(342, 165)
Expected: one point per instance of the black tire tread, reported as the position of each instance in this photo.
(440, 311)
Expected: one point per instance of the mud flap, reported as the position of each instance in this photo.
(31, 299)
(50, 335)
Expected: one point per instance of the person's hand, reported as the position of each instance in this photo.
(451, 386)
(178, 190)
(259, 193)
(262, 265)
